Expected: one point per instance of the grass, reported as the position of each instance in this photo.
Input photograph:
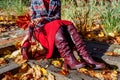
(15, 7)
(110, 16)
(87, 15)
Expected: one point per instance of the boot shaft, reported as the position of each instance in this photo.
(65, 51)
(81, 48)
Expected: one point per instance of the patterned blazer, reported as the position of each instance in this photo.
(38, 10)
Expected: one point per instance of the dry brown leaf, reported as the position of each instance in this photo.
(83, 70)
(43, 78)
(2, 61)
(15, 53)
(57, 63)
(118, 39)
(19, 59)
(111, 54)
(37, 73)
(9, 76)
(110, 75)
(1, 18)
(99, 76)
(36, 46)
(50, 76)
(18, 45)
(24, 68)
(114, 75)
(64, 72)
(7, 52)
(44, 71)
(92, 73)
(101, 34)
(28, 75)
(102, 75)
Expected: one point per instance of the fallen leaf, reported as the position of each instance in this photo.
(44, 72)
(111, 54)
(64, 72)
(57, 63)
(24, 68)
(50, 76)
(2, 61)
(102, 75)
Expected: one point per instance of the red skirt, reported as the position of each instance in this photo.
(47, 39)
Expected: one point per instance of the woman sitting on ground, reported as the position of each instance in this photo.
(49, 30)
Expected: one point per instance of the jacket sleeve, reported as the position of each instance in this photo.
(32, 11)
(54, 14)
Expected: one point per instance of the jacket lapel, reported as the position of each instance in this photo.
(51, 6)
(44, 10)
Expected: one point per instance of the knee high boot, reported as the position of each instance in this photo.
(79, 44)
(24, 50)
(65, 52)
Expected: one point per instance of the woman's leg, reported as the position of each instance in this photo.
(66, 52)
(82, 49)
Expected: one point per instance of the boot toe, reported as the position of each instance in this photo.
(99, 66)
(79, 65)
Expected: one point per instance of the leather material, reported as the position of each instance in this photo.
(81, 48)
(66, 52)
(24, 52)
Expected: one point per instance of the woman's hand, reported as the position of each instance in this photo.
(32, 23)
(35, 21)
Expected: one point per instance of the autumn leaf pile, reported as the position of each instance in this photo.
(2, 61)
(105, 74)
(26, 71)
(36, 72)
(102, 75)
(115, 52)
(30, 73)
(7, 23)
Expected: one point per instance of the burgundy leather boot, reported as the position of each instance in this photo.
(81, 48)
(65, 52)
(24, 50)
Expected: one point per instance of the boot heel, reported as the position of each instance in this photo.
(66, 66)
(102, 66)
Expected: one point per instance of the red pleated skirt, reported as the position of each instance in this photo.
(46, 38)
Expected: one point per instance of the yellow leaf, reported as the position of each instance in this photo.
(44, 72)
(24, 68)
(2, 61)
(83, 70)
(101, 34)
(51, 77)
(18, 44)
(1, 18)
(64, 72)
(57, 63)
(43, 78)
